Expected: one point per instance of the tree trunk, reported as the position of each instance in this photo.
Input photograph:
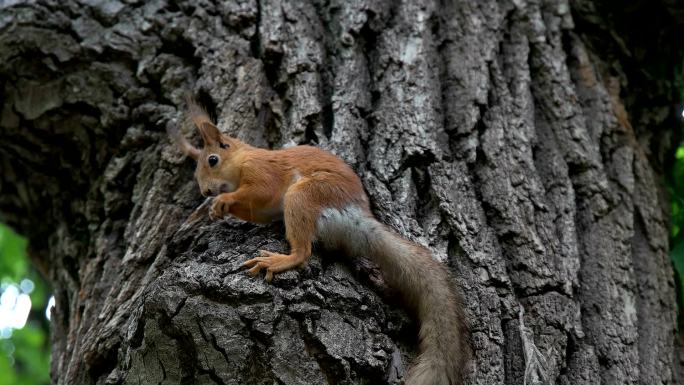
(521, 141)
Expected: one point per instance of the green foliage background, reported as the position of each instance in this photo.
(675, 186)
(25, 357)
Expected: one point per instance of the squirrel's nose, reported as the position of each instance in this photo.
(207, 192)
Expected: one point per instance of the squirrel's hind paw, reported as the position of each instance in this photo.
(272, 262)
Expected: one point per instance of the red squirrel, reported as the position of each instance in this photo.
(320, 198)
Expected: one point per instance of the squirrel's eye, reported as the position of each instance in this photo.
(213, 159)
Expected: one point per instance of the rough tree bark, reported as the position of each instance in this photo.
(522, 141)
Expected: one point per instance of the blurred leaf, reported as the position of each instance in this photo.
(680, 153)
(13, 261)
(25, 357)
(675, 187)
(30, 343)
(8, 377)
(677, 255)
(41, 292)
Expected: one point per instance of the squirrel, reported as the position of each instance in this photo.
(321, 199)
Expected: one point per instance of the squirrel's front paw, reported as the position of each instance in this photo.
(220, 208)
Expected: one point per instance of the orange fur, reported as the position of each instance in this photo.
(320, 197)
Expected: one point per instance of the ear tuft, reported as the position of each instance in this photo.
(199, 116)
(196, 113)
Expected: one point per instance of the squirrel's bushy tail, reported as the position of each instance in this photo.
(423, 282)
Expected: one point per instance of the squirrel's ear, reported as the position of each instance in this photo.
(210, 133)
(198, 115)
(188, 149)
(178, 138)
(191, 151)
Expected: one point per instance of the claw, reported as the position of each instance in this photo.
(249, 263)
(254, 271)
(254, 261)
(272, 262)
